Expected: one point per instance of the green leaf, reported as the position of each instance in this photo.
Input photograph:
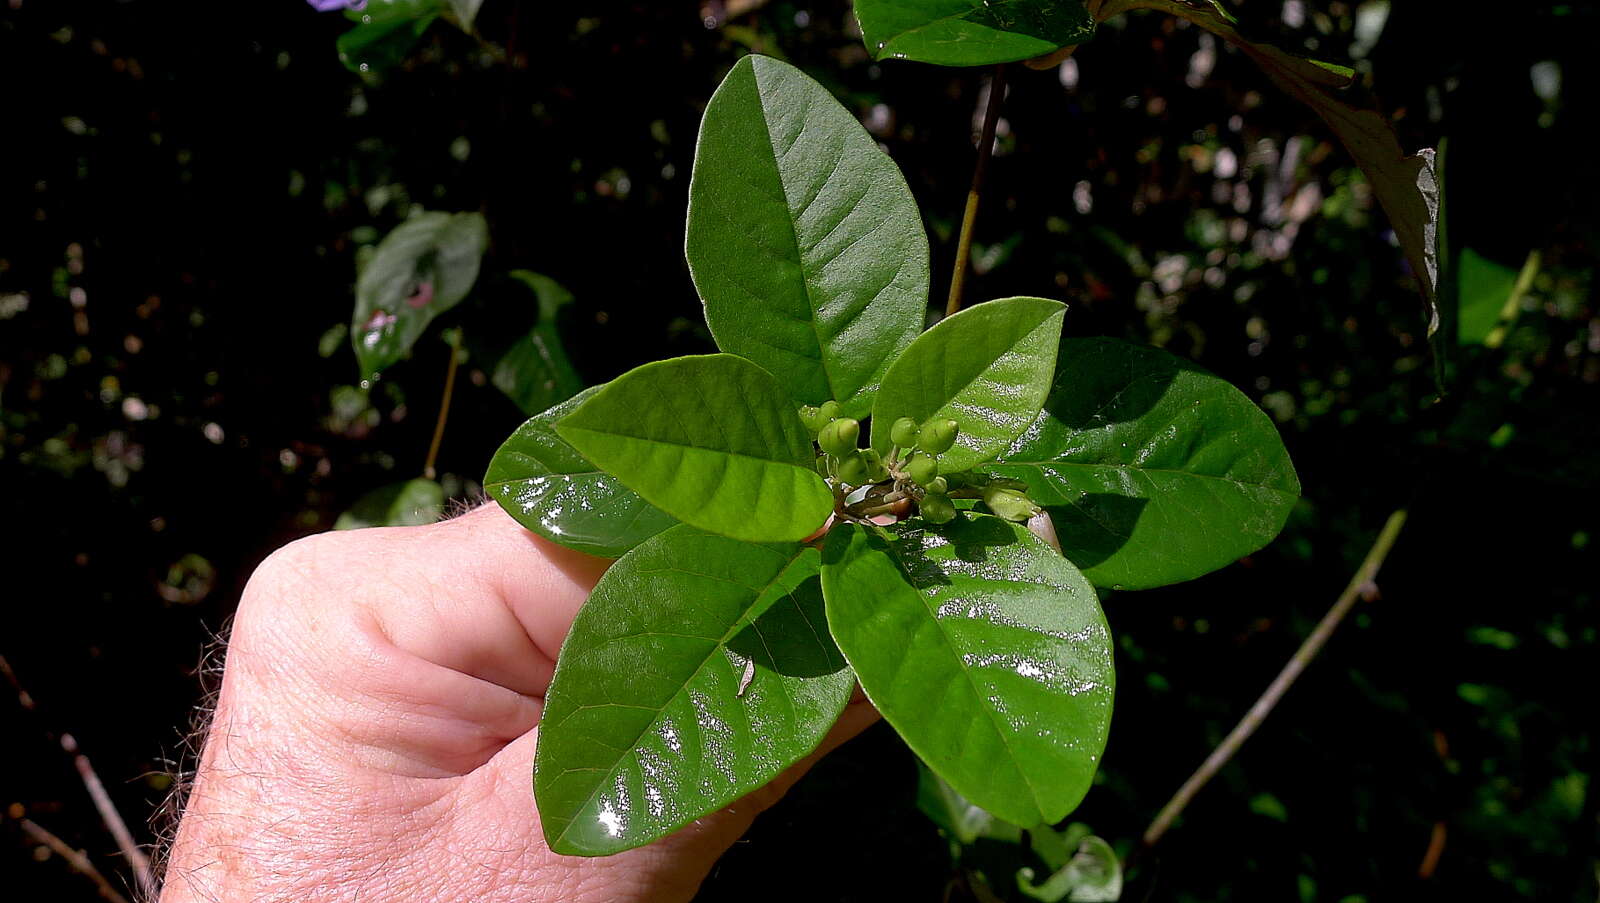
(1153, 470)
(987, 368)
(803, 239)
(971, 32)
(1406, 186)
(712, 440)
(385, 33)
(407, 504)
(554, 491)
(955, 815)
(1484, 287)
(1092, 875)
(699, 669)
(985, 649)
(534, 370)
(420, 270)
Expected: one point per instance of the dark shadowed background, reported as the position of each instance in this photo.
(185, 191)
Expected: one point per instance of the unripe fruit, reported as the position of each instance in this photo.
(853, 469)
(938, 485)
(936, 508)
(876, 472)
(904, 432)
(1009, 503)
(937, 436)
(839, 437)
(811, 416)
(829, 412)
(923, 469)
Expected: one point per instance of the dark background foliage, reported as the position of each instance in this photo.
(185, 192)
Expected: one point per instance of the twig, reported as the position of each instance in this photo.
(97, 792)
(1430, 859)
(80, 863)
(444, 404)
(1359, 585)
(991, 115)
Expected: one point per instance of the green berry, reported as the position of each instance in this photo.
(839, 437)
(938, 485)
(829, 411)
(904, 432)
(853, 469)
(811, 416)
(876, 472)
(936, 508)
(923, 469)
(937, 436)
(1009, 503)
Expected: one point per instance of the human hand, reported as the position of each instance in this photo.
(374, 736)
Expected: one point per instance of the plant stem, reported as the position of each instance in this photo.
(1359, 583)
(991, 115)
(79, 862)
(444, 404)
(109, 815)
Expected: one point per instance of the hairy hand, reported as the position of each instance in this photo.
(375, 731)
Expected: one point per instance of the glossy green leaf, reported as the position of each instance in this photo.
(712, 440)
(803, 239)
(985, 649)
(554, 491)
(420, 270)
(988, 368)
(1406, 186)
(698, 670)
(385, 32)
(1153, 470)
(534, 370)
(405, 504)
(971, 32)
(955, 815)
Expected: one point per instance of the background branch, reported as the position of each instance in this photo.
(1360, 585)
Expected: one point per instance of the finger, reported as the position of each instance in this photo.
(478, 594)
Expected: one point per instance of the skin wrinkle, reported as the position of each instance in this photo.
(344, 764)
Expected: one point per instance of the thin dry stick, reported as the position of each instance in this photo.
(991, 115)
(1258, 713)
(97, 792)
(444, 404)
(75, 858)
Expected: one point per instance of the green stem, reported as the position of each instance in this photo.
(991, 115)
(444, 405)
(1258, 713)
(1508, 311)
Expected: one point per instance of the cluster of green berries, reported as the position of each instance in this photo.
(913, 460)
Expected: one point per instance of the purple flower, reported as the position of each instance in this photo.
(328, 6)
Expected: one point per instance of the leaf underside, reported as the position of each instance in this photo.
(803, 240)
(1153, 470)
(987, 367)
(699, 669)
(712, 440)
(985, 649)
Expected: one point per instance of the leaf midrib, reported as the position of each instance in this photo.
(710, 655)
(966, 672)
